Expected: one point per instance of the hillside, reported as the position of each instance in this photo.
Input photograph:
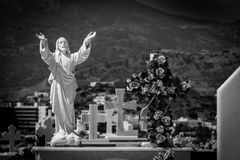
(203, 51)
(224, 11)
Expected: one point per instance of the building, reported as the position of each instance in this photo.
(41, 94)
(6, 117)
(43, 112)
(39, 97)
(5, 103)
(100, 100)
(93, 84)
(194, 122)
(102, 97)
(188, 122)
(27, 116)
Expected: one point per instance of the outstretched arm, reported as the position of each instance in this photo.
(84, 51)
(44, 50)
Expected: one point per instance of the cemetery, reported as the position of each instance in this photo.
(120, 139)
(119, 80)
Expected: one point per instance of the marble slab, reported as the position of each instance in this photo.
(228, 118)
(104, 153)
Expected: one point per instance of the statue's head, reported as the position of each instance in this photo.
(62, 45)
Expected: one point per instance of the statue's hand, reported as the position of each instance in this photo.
(89, 38)
(91, 35)
(40, 36)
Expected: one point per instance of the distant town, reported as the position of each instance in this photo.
(33, 109)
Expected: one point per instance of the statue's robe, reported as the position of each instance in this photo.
(63, 85)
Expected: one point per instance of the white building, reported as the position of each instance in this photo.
(27, 116)
(194, 122)
(188, 122)
(100, 100)
(93, 84)
(38, 97)
(41, 94)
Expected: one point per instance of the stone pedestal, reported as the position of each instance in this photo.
(7, 155)
(104, 153)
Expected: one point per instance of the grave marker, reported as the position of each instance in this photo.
(228, 118)
(119, 106)
(12, 136)
(93, 117)
(110, 119)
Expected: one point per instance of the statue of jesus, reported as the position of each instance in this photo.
(62, 64)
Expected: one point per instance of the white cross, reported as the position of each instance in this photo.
(93, 117)
(110, 119)
(119, 106)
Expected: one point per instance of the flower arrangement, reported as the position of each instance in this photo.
(157, 87)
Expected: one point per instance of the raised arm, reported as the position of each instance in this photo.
(84, 51)
(44, 50)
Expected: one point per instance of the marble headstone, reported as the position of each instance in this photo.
(228, 118)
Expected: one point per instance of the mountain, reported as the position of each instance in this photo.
(205, 52)
(223, 11)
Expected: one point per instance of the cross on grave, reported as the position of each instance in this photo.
(93, 117)
(228, 111)
(46, 128)
(110, 119)
(119, 106)
(12, 136)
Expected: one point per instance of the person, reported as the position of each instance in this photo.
(62, 79)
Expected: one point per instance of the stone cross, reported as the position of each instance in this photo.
(110, 119)
(93, 117)
(228, 118)
(46, 128)
(12, 136)
(119, 106)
